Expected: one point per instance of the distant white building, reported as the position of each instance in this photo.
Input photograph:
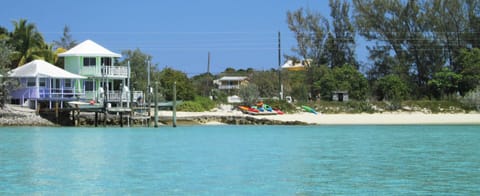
(292, 65)
(230, 82)
(231, 85)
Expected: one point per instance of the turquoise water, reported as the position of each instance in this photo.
(241, 160)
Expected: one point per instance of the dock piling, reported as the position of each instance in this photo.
(156, 105)
(174, 107)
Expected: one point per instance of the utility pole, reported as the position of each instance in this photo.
(129, 85)
(280, 68)
(156, 105)
(208, 65)
(208, 74)
(147, 95)
(174, 105)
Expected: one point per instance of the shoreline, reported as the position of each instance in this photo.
(13, 115)
(393, 118)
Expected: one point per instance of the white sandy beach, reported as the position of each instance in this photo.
(400, 118)
(380, 119)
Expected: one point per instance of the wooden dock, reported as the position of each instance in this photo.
(76, 107)
(136, 114)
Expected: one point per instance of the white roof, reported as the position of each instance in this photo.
(89, 48)
(289, 65)
(232, 78)
(42, 69)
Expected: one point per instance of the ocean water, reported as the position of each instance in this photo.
(241, 160)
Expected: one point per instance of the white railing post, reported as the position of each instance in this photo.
(120, 71)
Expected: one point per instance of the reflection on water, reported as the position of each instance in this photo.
(218, 160)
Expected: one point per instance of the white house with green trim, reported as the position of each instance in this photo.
(105, 80)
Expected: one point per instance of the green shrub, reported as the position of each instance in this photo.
(206, 103)
(437, 106)
(199, 104)
(190, 106)
(334, 107)
(472, 99)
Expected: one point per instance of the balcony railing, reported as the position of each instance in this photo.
(46, 93)
(114, 71)
(105, 71)
(227, 87)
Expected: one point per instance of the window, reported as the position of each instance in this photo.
(42, 82)
(55, 83)
(31, 82)
(89, 61)
(89, 86)
(106, 61)
(68, 83)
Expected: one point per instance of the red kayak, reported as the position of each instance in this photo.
(278, 111)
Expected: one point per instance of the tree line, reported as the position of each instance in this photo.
(417, 49)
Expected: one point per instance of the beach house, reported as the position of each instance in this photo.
(230, 82)
(105, 81)
(42, 82)
(231, 86)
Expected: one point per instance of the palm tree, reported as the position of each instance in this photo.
(66, 42)
(3, 33)
(27, 42)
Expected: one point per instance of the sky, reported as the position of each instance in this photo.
(176, 33)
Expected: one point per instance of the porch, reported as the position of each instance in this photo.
(105, 71)
(46, 93)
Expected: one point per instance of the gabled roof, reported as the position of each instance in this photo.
(42, 69)
(89, 48)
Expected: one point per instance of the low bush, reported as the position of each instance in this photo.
(190, 106)
(199, 104)
(334, 107)
(472, 99)
(450, 106)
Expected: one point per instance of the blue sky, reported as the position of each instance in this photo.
(177, 33)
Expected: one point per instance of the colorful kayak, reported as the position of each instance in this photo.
(309, 109)
(268, 108)
(253, 110)
(243, 108)
(247, 109)
(278, 111)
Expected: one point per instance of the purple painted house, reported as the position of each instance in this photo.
(41, 81)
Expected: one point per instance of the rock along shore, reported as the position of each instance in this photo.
(12, 115)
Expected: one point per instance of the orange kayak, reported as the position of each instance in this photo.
(244, 108)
